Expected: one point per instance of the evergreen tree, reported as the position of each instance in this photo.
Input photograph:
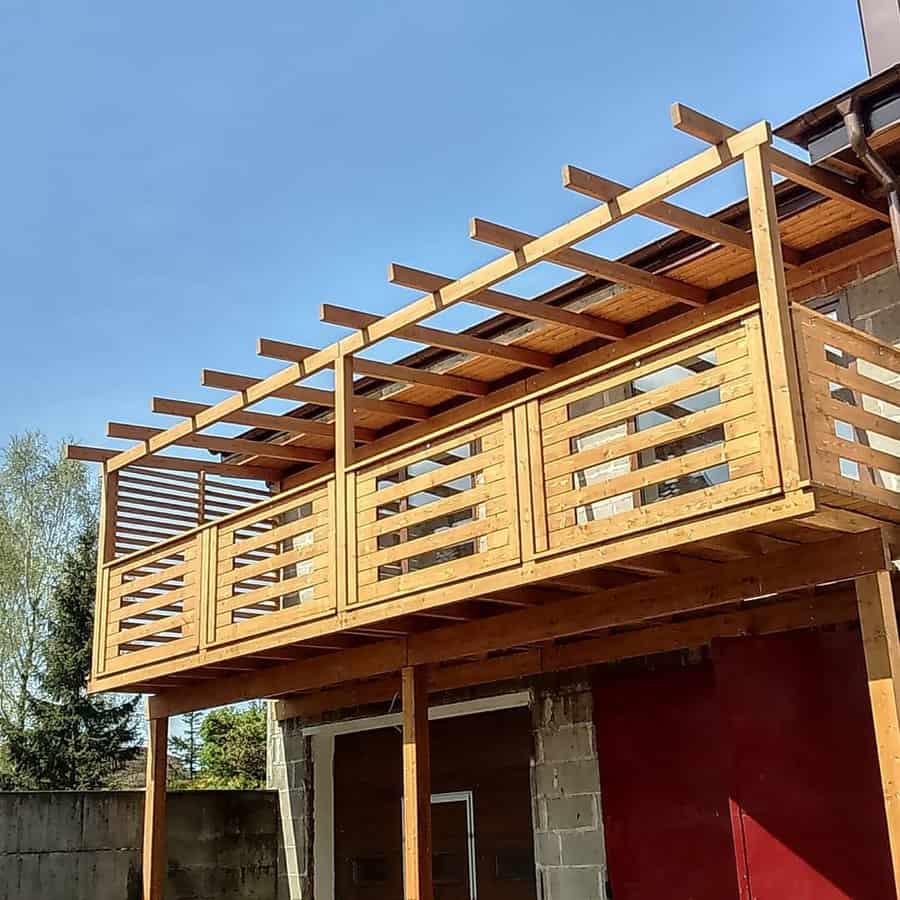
(70, 740)
(186, 749)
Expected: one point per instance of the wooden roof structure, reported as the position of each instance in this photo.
(708, 258)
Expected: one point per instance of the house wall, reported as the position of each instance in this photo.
(87, 846)
(564, 781)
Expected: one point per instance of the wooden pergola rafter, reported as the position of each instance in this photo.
(557, 246)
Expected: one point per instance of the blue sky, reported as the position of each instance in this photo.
(180, 179)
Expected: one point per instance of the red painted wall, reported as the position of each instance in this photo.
(665, 804)
(772, 742)
(802, 766)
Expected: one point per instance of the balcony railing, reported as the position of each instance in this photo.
(660, 437)
(614, 451)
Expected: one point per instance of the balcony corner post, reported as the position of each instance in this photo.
(781, 359)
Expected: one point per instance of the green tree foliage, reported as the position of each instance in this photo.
(184, 749)
(233, 749)
(46, 501)
(70, 740)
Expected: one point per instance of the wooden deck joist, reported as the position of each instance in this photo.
(580, 261)
(515, 306)
(454, 384)
(230, 381)
(606, 190)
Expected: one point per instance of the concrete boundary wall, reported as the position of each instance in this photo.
(87, 846)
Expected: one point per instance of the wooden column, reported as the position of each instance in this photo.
(775, 313)
(416, 786)
(154, 855)
(345, 501)
(878, 621)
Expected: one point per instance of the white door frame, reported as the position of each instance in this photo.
(322, 747)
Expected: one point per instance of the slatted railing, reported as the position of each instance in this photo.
(442, 512)
(686, 432)
(662, 438)
(274, 563)
(851, 390)
(149, 604)
(249, 572)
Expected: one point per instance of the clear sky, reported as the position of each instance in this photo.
(178, 179)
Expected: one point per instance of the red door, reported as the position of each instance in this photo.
(773, 737)
(665, 804)
(803, 768)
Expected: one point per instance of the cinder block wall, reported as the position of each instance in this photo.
(87, 846)
(570, 855)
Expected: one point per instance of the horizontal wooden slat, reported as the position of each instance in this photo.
(651, 475)
(370, 557)
(439, 476)
(419, 514)
(652, 437)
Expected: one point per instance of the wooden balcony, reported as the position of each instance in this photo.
(549, 473)
(654, 444)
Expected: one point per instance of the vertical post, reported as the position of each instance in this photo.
(106, 551)
(201, 497)
(344, 448)
(878, 622)
(416, 786)
(154, 855)
(776, 319)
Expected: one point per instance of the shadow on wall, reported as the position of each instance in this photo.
(87, 846)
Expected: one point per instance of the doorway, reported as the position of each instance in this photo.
(481, 810)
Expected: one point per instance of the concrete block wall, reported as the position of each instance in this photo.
(87, 846)
(570, 855)
(289, 771)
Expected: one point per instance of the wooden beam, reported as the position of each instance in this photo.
(285, 423)
(777, 327)
(418, 883)
(828, 609)
(176, 463)
(232, 382)
(507, 303)
(154, 850)
(826, 561)
(455, 384)
(446, 340)
(878, 621)
(261, 449)
(711, 229)
(774, 573)
(592, 222)
(814, 177)
(580, 261)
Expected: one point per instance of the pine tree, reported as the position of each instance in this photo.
(70, 740)
(186, 749)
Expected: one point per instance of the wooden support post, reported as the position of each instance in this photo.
(344, 448)
(416, 786)
(154, 855)
(878, 621)
(776, 319)
(106, 551)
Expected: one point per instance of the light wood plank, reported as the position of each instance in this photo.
(878, 621)
(154, 848)
(418, 884)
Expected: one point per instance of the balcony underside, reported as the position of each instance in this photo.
(587, 486)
